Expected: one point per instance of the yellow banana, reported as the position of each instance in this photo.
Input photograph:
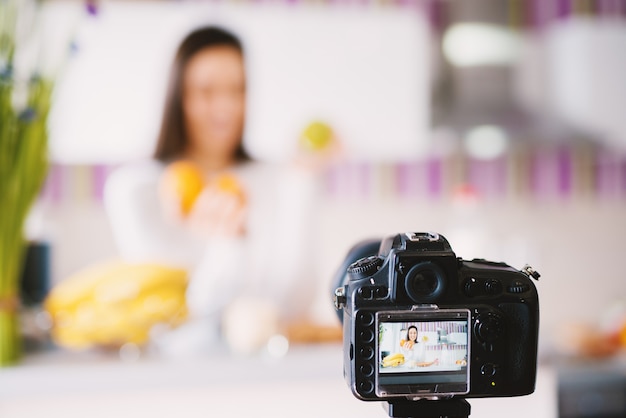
(393, 360)
(394, 356)
(393, 363)
(116, 303)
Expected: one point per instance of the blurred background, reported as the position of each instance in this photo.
(499, 124)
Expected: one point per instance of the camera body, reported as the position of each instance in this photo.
(420, 323)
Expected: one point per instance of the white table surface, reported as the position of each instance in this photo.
(307, 382)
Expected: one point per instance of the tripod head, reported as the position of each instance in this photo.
(447, 408)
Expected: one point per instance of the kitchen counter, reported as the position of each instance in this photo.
(307, 382)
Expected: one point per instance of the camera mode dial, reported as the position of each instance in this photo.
(364, 267)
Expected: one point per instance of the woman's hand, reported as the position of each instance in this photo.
(408, 345)
(217, 213)
(214, 209)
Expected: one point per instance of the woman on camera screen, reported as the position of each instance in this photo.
(414, 352)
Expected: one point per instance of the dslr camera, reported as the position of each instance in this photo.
(420, 323)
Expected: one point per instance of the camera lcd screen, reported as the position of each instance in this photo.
(423, 354)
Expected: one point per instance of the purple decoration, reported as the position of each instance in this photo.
(433, 10)
(332, 181)
(434, 177)
(53, 187)
(564, 175)
(100, 174)
(410, 4)
(91, 6)
(344, 183)
(603, 7)
(606, 175)
(612, 7)
(542, 175)
(402, 179)
(412, 177)
(492, 182)
(563, 8)
(541, 12)
(622, 189)
(364, 177)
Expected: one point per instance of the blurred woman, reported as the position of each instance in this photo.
(248, 241)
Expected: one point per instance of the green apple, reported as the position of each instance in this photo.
(317, 136)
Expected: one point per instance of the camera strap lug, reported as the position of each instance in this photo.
(340, 298)
(530, 272)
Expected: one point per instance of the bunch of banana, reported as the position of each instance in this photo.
(116, 303)
(393, 360)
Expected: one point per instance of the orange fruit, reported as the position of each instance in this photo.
(228, 183)
(185, 180)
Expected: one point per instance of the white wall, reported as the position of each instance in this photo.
(362, 69)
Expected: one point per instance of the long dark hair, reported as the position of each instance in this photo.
(172, 139)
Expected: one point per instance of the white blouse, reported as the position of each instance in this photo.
(274, 261)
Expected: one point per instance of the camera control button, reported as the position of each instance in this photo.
(488, 370)
(488, 328)
(518, 287)
(365, 318)
(366, 386)
(472, 287)
(381, 292)
(367, 369)
(493, 287)
(366, 353)
(367, 335)
(366, 292)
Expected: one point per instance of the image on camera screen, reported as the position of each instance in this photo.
(428, 354)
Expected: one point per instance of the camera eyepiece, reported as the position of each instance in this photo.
(425, 282)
